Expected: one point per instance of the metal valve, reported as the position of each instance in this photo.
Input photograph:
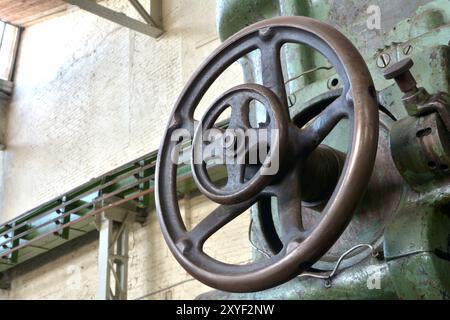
(414, 97)
(401, 73)
(419, 143)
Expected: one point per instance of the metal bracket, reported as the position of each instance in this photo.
(113, 257)
(153, 18)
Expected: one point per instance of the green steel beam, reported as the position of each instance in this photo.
(42, 222)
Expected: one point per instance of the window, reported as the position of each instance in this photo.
(9, 42)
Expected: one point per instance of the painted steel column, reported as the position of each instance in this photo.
(120, 260)
(113, 255)
(104, 273)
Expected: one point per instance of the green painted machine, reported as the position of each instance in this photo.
(394, 242)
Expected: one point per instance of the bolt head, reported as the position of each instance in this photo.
(407, 50)
(383, 60)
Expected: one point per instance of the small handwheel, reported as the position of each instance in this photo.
(234, 144)
(301, 247)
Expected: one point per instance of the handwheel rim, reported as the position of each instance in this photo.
(351, 185)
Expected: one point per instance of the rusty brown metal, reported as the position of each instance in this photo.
(439, 103)
(420, 147)
(378, 205)
(402, 76)
(301, 247)
(417, 100)
(237, 189)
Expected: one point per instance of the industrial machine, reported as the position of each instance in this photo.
(359, 116)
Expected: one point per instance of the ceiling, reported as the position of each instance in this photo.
(25, 12)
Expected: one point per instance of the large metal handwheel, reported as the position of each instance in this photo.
(301, 248)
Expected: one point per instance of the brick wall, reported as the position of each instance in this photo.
(89, 96)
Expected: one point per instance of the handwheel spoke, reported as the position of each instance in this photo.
(235, 172)
(214, 150)
(216, 220)
(239, 118)
(272, 72)
(321, 126)
(290, 207)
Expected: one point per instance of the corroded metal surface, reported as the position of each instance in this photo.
(349, 284)
(301, 247)
(421, 150)
(402, 76)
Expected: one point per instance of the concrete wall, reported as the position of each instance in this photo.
(89, 96)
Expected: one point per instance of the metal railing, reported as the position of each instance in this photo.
(72, 214)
